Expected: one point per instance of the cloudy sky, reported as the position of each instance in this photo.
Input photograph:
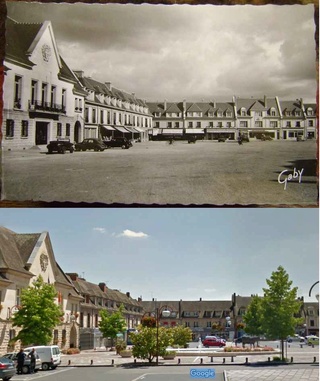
(173, 254)
(180, 51)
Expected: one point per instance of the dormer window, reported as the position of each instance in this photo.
(309, 112)
(219, 114)
(297, 113)
(228, 113)
(243, 112)
(272, 112)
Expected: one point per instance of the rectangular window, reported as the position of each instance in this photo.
(17, 91)
(169, 124)
(195, 324)
(86, 115)
(68, 129)
(18, 295)
(64, 99)
(190, 125)
(176, 124)
(34, 91)
(210, 124)
(288, 124)
(24, 128)
(298, 124)
(9, 128)
(198, 124)
(157, 124)
(229, 124)
(187, 324)
(44, 89)
(258, 123)
(53, 96)
(108, 117)
(101, 116)
(59, 129)
(310, 123)
(311, 323)
(220, 124)
(273, 124)
(208, 324)
(94, 117)
(243, 123)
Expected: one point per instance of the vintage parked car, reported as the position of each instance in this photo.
(26, 367)
(192, 139)
(221, 139)
(7, 368)
(265, 137)
(90, 143)
(213, 341)
(118, 142)
(60, 146)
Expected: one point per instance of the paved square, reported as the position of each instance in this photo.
(205, 173)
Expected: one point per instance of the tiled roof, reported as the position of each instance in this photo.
(173, 108)
(194, 108)
(10, 257)
(290, 105)
(19, 37)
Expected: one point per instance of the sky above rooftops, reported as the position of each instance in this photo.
(174, 253)
(177, 52)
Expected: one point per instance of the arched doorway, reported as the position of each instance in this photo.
(77, 132)
(73, 337)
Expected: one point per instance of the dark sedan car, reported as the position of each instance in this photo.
(90, 143)
(7, 368)
(118, 142)
(27, 361)
(60, 146)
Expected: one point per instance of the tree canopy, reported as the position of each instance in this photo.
(112, 323)
(38, 314)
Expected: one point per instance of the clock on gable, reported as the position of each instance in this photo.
(46, 52)
(44, 261)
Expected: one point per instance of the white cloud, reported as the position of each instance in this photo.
(131, 234)
(100, 230)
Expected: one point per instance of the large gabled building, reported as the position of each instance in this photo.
(111, 112)
(23, 257)
(43, 99)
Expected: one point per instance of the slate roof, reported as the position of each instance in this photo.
(19, 37)
(290, 105)
(101, 88)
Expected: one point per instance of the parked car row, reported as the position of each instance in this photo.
(63, 145)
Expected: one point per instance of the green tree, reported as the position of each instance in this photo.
(112, 323)
(38, 313)
(181, 335)
(145, 342)
(253, 317)
(279, 306)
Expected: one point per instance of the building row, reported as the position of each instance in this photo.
(46, 100)
(253, 118)
(23, 257)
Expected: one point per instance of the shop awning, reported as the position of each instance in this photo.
(121, 129)
(194, 131)
(131, 129)
(220, 130)
(172, 131)
(139, 129)
(109, 128)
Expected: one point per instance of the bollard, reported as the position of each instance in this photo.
(231, 358)
(112, 362)
(201, 360)
(291, 359)
(314, 359)
(312, 345)
(135, 361)
(224, 360)
(211, 358)
(300, 345)
(69, 362)
(246, 360)
(91, 362)
(179, 361)
(269, 359)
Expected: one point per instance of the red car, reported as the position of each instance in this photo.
(213, 341)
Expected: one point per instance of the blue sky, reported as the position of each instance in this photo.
(173, 254)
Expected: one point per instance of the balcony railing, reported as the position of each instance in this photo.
(47, 107)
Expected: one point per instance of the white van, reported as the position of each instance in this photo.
(49, 354)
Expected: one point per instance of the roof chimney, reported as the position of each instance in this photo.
(200, 300)
(103, 287)
(165, 105)
(265, 101)
(109, 86)
(128, 294)
(73, 276)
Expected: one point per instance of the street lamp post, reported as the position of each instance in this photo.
(162, 311)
